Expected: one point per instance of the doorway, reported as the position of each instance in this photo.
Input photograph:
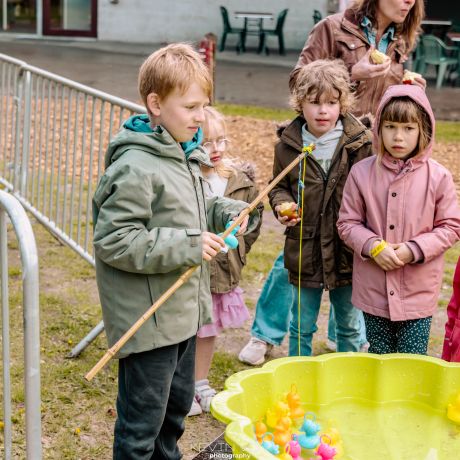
(18, 16)
(73, 18)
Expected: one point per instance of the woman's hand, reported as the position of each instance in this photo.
(387, 259)
(212, 244)
(286, 220)
(365, 70)
(420, 81)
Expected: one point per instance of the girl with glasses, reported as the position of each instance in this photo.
(232, 180)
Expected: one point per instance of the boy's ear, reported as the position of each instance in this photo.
(153, 104)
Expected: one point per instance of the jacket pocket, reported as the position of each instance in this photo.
(292, 249)
(154, 295)
(350, 49)
(344, 259)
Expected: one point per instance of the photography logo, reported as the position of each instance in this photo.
(218, 450)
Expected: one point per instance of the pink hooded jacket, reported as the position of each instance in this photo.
(451, 348)
(399, 201)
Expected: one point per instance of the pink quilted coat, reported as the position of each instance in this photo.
(399, 201)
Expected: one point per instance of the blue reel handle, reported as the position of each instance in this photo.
(231, 241)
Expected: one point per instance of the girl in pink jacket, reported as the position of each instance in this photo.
(451, 348)
(399, 214)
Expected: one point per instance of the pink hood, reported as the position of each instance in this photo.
(418, 95)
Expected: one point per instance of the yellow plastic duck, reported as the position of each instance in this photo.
(293, 401)
(453, 410)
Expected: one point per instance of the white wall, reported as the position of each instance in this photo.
(166, 21)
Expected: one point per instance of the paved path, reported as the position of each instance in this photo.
(248, 78)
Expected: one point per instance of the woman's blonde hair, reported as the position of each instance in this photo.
(320, 77)
(409, 29)
(215, 118)
(406, 110)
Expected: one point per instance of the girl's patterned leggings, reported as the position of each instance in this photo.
(386, 336)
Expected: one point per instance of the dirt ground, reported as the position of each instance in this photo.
(256, 147)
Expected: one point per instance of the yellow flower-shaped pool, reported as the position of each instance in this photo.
(386, 407)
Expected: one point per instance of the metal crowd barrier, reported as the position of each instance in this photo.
(10, 207)
(53, 136)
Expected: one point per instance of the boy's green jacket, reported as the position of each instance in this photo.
(148, 212)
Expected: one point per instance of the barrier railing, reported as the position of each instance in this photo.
(12, 209)
(53, 136)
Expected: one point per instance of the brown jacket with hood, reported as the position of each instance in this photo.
(326, 261)
(226, 268)
(340, 36)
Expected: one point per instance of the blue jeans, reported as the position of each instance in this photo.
(273, 309)
(331, 333)
(347, 320)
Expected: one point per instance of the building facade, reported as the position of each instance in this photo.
(154, 21)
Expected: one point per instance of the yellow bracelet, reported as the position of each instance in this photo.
(378, 249)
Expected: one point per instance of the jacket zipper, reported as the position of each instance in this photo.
(200, 219)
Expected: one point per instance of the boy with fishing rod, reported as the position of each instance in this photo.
(307, 201)
(151, 222)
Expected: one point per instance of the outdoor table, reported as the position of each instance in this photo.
(253, 24)
(438, 27)
(454, 37)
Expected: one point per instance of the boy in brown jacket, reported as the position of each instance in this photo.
(322, 97)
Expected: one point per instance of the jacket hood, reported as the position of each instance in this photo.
(137, 133)
(418, 95)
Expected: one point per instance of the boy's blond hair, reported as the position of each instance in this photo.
(212, 116)
(172, 67)
(405, 110)
(320, 77)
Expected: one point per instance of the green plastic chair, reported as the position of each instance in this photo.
(317, 16)
(228, 29)
(435, 52)
(277, 31)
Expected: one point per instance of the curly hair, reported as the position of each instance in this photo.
(323, 76)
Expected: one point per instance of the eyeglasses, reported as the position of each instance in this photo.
(216, 144)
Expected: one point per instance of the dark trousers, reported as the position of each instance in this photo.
(155, 393)
(386, 336)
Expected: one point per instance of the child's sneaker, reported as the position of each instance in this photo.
(255, 351)
(204, 394)
(196, 408)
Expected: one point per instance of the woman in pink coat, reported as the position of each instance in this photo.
(399, 214)
(451, 348)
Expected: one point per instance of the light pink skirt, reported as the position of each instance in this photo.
(228, 311)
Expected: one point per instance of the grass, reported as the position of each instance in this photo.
(262, 113)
